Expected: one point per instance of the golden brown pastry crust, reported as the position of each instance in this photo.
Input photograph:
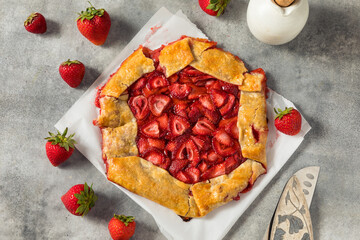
(175, 57)
(135, 66)
(141, 176)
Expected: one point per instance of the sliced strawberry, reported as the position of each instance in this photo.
(214, 158)
(194, 113)
(147, 92)
(158, 103)
(213, 116)
(214, 171)
(215, 84)
(202, 142)
(151, 129)
(173, 78)
(163, 121)
(203, 167)
(166, 163)
(194, 174)
(228, 106)
(156, 143)
(197, 92)
(196, 79)
(179, 91)
(203, 127)
(201, 83)
(185, 79)
(223, 137)
(139, 84)
(180, 109)
(139, 106)
(232, 128)
(190, 71)
(219, 97)
(178, 125)
(234, 112)
(192, 152)
(158, 81)
(224, 150)
(206, 102)
(230, 88)
(177, 165)
(155, 157)
(143, 145)
(230, 164)
(184, 177)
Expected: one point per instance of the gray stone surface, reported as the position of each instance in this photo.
(318, 71)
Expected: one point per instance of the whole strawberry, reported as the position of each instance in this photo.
(59, 147)
(72, 72)
(213, 7)
(122, 227)
(94, 24)
(79, 199)
(35, 23)
(288, 121)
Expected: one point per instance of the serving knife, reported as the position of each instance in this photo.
(291, 219)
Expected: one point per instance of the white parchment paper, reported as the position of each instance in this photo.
(162, 28)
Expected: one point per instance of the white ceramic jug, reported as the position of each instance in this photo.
(276, 25)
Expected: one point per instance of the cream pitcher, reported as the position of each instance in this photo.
(277, 22)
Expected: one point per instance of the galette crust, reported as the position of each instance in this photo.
(135, 66)
(175, 57)
(141, 176)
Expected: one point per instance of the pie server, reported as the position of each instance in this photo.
(291, 219)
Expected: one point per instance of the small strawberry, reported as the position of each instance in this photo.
(35, 23)
(122, 227)
(79, 199)
(94, 24)
(59, 147)
(288, 121)
(72, 72)
(213, 7)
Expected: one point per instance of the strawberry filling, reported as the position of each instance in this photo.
(187, 123)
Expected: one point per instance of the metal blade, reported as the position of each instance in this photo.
(308, 178)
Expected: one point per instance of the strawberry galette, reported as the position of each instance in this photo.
(184, 125)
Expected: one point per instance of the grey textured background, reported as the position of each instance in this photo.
(318, 71)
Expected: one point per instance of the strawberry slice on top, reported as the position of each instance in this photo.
(158, 103)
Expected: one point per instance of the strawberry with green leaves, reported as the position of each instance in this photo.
(122, 227)
(288, 121)
(94, 24)
(72, 72)
(79, 199)
(35, 23)
(59, 147)
(213, 7)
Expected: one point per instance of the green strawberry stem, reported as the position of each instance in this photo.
(69, 62)
(125, 219)
(62, 140)
(86, 199)
(218, 6)
(30, 19)
(280, 113)
(90, 13)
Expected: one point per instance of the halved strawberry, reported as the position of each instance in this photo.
(230, 164)
(163, 121)
(214, 171)
(156, 143)
(228, 106)
(219, 97)
(206, 102)
(158, 103)
(230, 88)
(196, 92)
(143, 145)
(173, 78)
(223, 137)
(158, 81)
(203, 127)
(180, 109)
(178, 125)
(202, 142)
(177, 165)
(214, 158)
(179, 91)
(155, 156)
(139, 106)
(184, 177)
(224, 150)
(139, 84)
(194, 174)
(151, 129)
